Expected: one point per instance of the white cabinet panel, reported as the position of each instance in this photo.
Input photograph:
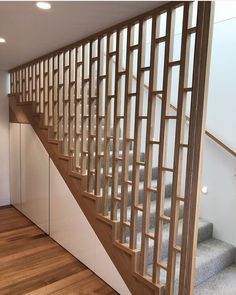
(68, 225)
(15, 177)
(70, 228)
(34, 178)
(105, 269)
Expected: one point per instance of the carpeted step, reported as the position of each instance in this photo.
(205, 230)
(141, 173)
(223, 283)
(130, 159)
(212, 257)
(168, 192)
(120, 145)
(167, 212)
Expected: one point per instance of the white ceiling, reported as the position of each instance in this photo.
(31, 32)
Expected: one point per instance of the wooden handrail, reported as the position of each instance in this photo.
(213, 137)
(218, 141)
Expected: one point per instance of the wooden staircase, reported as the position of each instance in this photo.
(79, 101)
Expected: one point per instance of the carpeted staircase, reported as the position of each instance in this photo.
(215, 259)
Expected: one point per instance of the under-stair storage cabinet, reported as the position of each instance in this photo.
(31, 194)
(15, 175)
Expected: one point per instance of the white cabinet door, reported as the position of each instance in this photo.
(34, 178)
(15, 186)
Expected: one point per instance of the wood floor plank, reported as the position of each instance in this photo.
(32, 263)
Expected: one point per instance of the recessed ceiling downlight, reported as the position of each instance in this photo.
(2, 40)
(43, 5)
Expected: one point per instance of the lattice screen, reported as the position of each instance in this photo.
(118, 103)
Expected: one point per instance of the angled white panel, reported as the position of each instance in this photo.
(34, 178)
(105, 269)
(15, 177)
(68, 225)
(70, 228)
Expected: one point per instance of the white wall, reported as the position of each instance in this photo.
(219, 204)
(219, 167)
(221, 119)
(4, 141)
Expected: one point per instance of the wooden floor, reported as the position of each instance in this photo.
(32, 263)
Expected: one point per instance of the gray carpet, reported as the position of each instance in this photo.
(223, 283)
(215, 268)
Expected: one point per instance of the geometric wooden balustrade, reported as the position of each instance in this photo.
(105, 102)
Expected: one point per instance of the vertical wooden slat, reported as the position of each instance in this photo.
(194, 157)
(107, 135)
(65, 107)
(84, 119)
(78, 158)
(124, 191)
(137, 144)
(70, 106)
(90, 125)
(116, 127)
(99, 125)
(76, 113)
(55, 101)
(178, 155)
(45, 94)
(161, 160)
(148, 157)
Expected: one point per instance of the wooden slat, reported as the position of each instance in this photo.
(116, 129)
(83, 117)
(126, 134)
(78, 114)
(178, 153)
(137, 144)
(194, 157)
(90, 184)
(161, 159)
(107, 140)
(99, 125)
(148, 156)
